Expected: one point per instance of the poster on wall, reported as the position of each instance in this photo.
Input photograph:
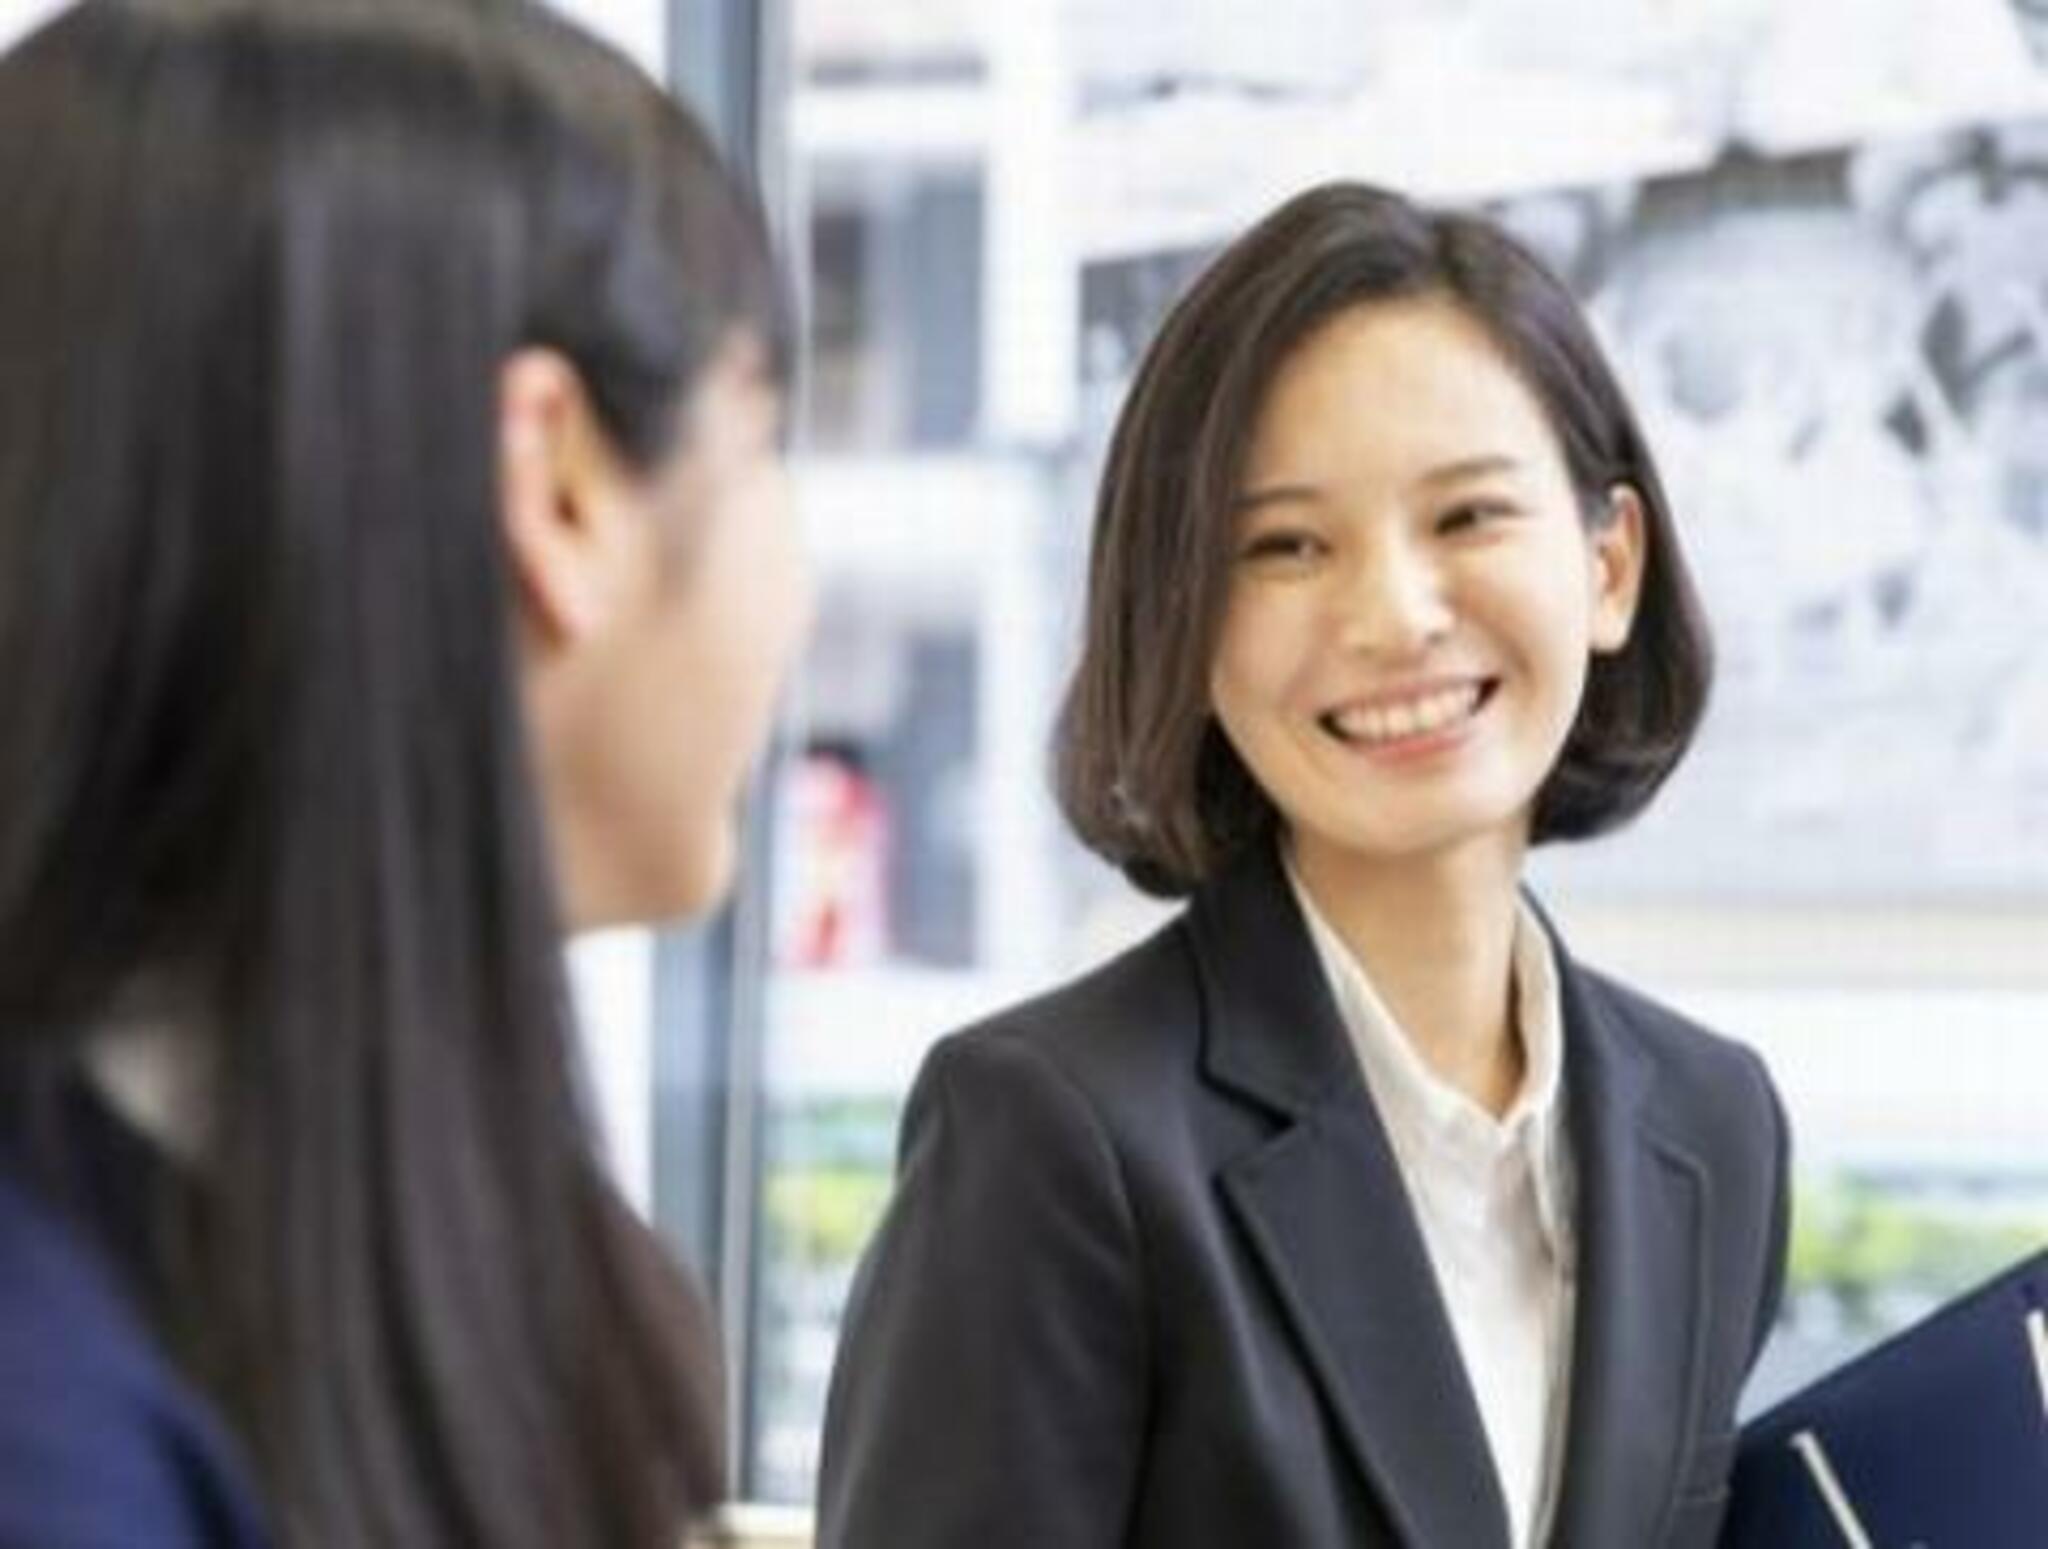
(1826, 289)
(1841, 359)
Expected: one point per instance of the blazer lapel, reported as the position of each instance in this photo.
(1642, 1285)
(1328, 1217)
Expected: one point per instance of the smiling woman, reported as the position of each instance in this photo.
(1410, 621)
(1348, 1210)
(1362, 333)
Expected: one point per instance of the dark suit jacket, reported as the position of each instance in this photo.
(102, 1444)
(1151, 1276)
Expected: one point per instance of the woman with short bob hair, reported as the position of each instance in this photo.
(395, 571)
(1145, 776)
(1347, 1210)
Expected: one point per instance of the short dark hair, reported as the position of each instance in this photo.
(1144, 773)
(261, 264)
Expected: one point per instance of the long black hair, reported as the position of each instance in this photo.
(262, 757)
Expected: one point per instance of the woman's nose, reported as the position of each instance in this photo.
(1394, 603)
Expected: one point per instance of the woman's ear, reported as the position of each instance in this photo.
(1617, 544)
(556, 479)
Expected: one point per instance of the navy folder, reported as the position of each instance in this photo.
(1935, 1439)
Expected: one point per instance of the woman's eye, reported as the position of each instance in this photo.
(1471, 515)
(1283, 545)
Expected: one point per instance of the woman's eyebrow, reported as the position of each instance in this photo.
(1274, 494)
(1463, 468)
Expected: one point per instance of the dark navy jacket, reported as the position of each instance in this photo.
(102, 1445)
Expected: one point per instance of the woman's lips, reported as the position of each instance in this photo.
(1425, 714)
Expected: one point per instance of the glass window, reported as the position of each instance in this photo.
(1820, 269)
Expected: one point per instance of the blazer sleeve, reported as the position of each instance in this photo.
(991, 1377)
(77, 1473)
(97, 1450)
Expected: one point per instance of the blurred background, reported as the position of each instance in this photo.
(1815, 238)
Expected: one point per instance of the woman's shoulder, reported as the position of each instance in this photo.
(100, 1442)
(1702, 1078)
(1121, 1020)
(1664, 1031)
(1113, 1051)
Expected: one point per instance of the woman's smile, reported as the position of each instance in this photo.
(1409, 723)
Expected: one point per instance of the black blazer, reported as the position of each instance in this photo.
(1151, 1276)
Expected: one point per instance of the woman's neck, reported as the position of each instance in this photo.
(1436, 934)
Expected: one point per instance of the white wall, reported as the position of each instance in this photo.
(637, 26)
(17, 16)
(640, 27)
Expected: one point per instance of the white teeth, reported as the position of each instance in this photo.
(1410, 718)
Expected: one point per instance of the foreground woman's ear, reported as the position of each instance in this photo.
(559, 479)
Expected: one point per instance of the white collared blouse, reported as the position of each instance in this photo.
(1494, 1199)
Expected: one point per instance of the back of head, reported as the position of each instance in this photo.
(263, 765)
(261, 263)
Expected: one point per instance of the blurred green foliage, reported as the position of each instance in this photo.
(821, 1216)
(1856, 1240)
(832, 1163)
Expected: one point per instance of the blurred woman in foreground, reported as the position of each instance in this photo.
(395, 571)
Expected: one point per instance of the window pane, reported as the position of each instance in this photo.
(1822, 270)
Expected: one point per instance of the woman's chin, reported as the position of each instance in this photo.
(705, 874)
(676, 885)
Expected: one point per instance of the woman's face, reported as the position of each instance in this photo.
(1414, 593)
(652, 717)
